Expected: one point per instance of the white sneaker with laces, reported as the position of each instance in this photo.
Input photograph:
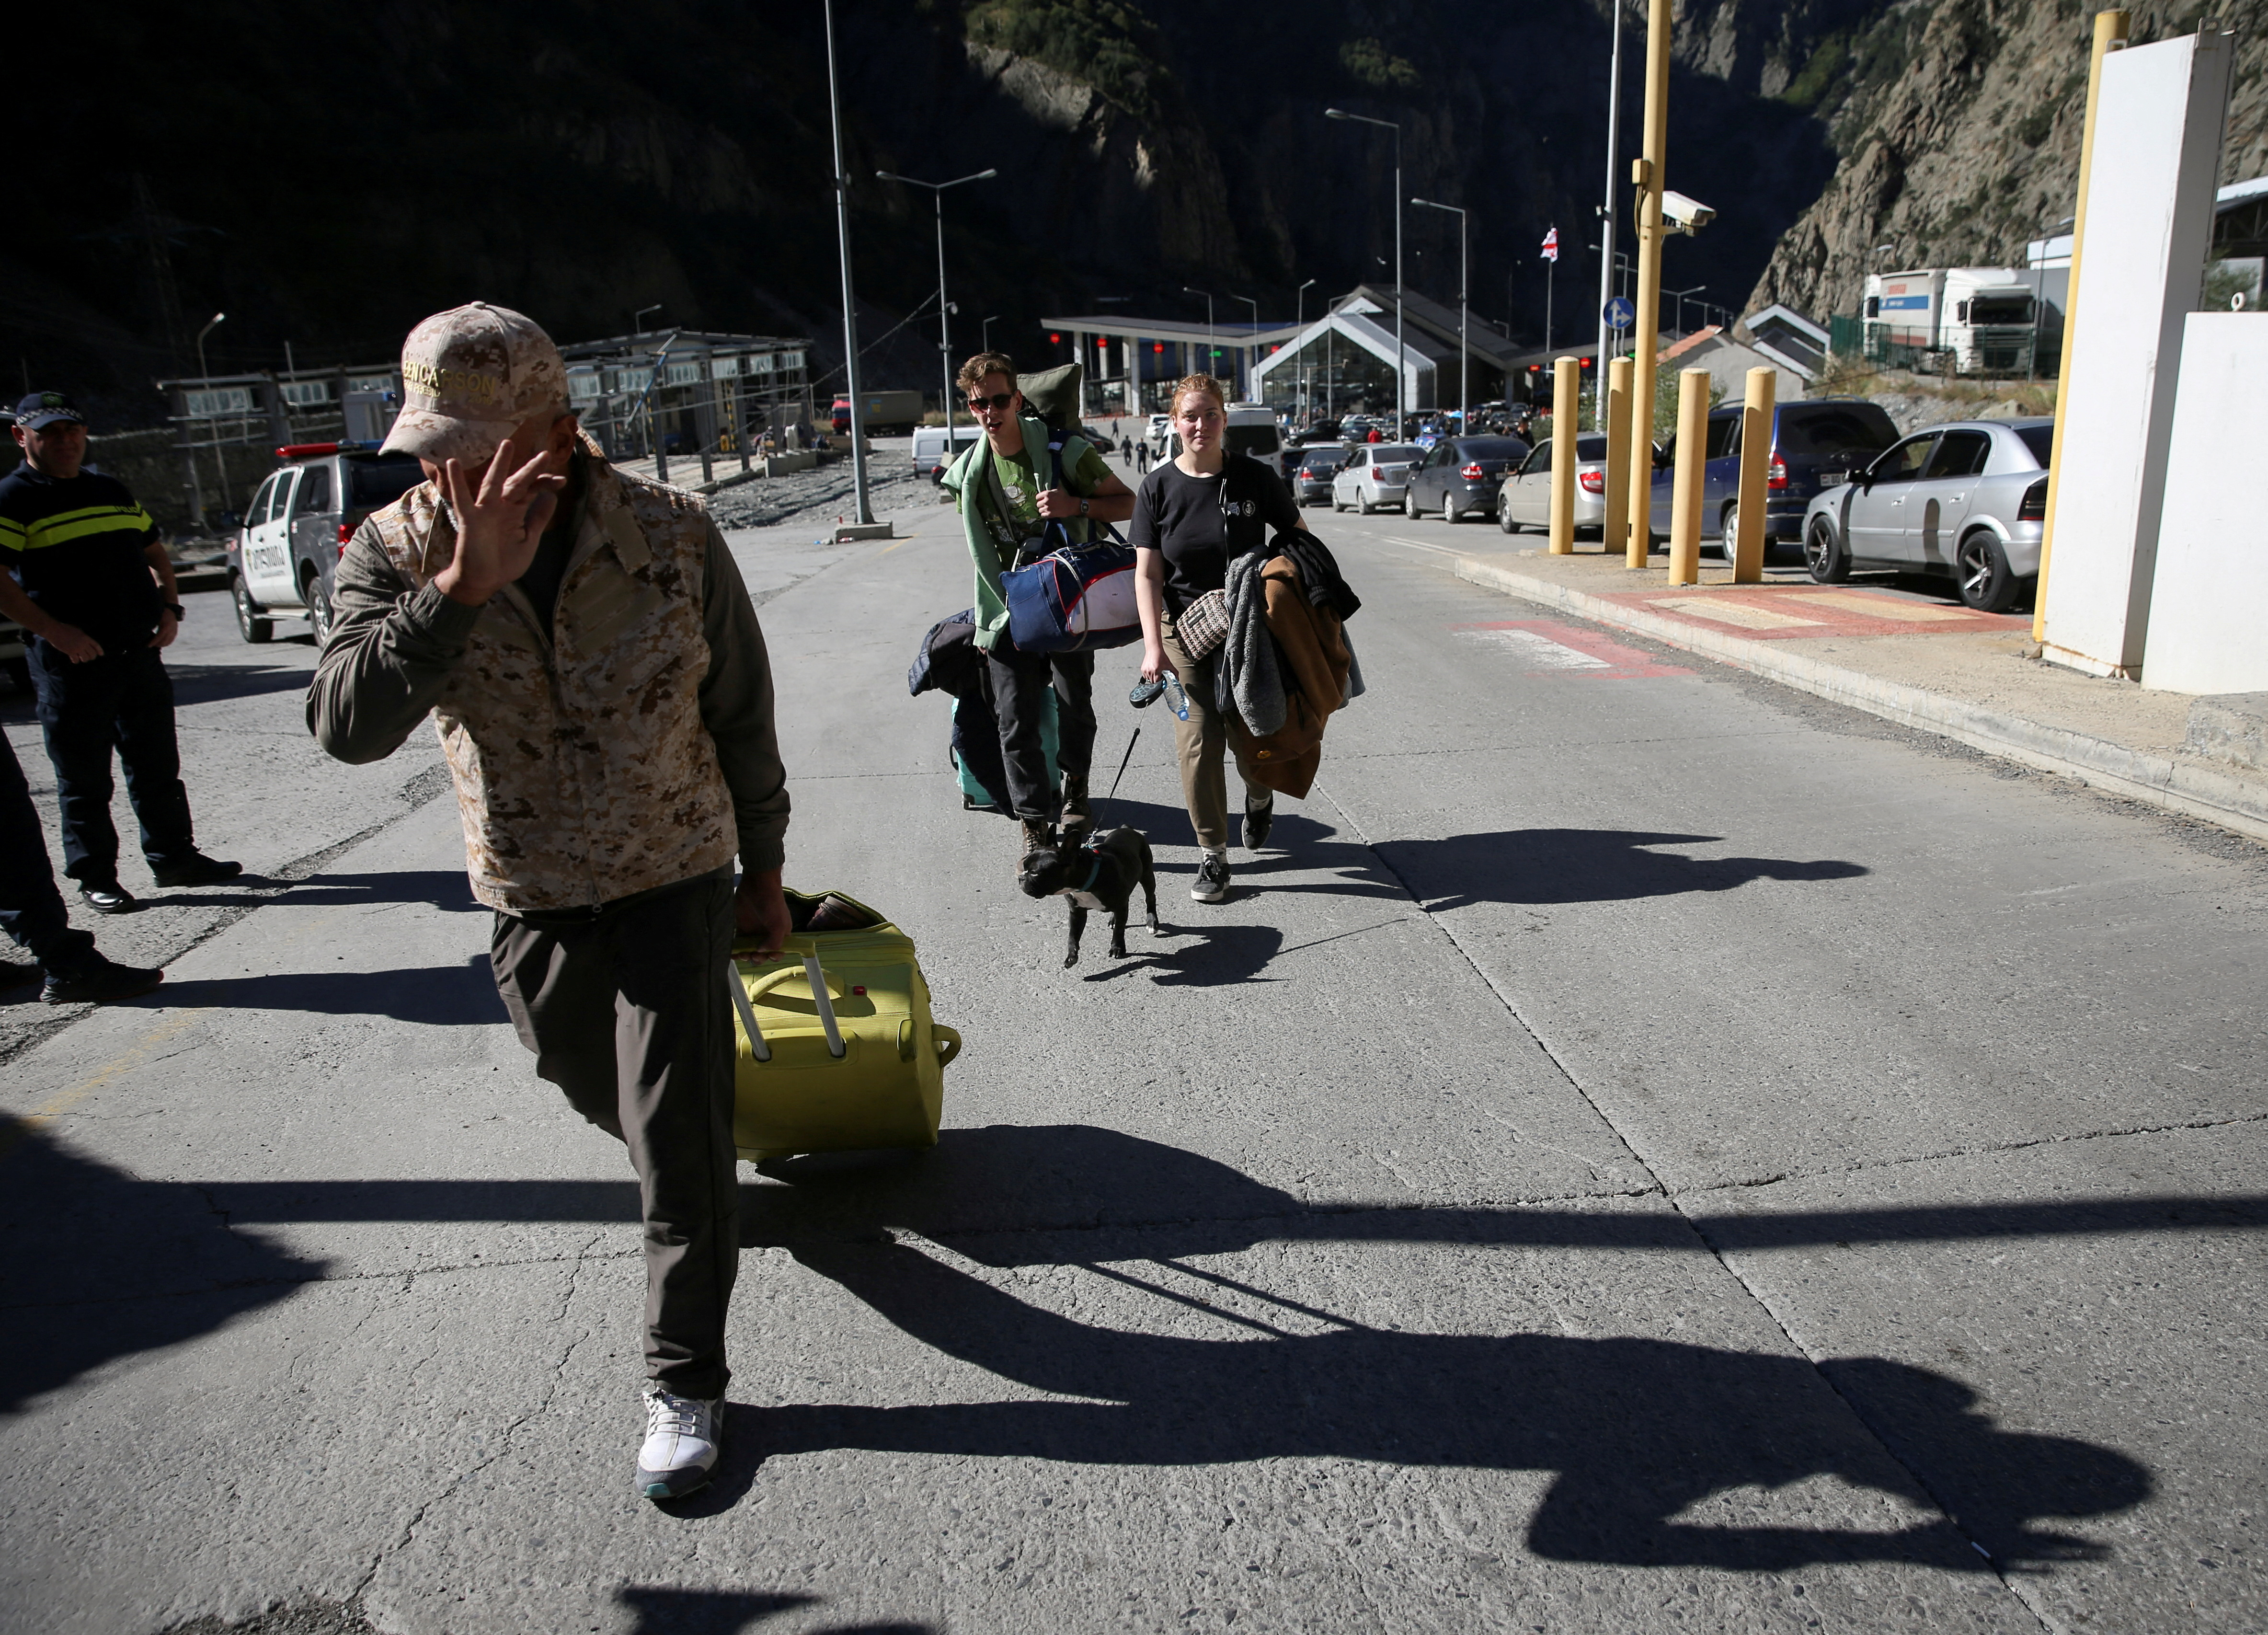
(682, 1438)
(1211, 883)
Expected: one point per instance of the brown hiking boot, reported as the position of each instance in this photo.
(1078, 812)
(1039, 836)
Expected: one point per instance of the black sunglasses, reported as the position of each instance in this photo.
(999, 400)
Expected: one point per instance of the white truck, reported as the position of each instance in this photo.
(1979, 320)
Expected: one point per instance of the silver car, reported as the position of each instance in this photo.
(1374, 477)
(1965, 500)
(1524, 500)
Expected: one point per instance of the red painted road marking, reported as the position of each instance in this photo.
(1794, 613)
(1547, 647)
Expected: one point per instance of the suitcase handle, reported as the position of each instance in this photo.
(740, 1003)
(947, 1041)
(743, 1001)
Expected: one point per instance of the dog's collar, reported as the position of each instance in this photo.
(1093, 868)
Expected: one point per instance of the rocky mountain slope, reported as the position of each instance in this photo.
(325, 176)
(1956, 124)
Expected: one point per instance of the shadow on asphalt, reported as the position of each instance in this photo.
(664, 1610)
(103, 1265)
(1516, 865)
(440, 995)
(211, 683)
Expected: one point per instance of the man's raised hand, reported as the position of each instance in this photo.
(500, 520)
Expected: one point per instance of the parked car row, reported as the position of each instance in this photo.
(1964, 501)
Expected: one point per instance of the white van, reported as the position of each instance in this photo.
(930, 454)
(1252, 429)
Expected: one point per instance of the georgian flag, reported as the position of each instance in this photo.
(1551, 245)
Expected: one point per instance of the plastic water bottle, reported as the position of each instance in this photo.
(1176, 700)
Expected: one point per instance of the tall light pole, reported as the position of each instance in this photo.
(866, 506)
(638, 318)
(1647, 173)
(1254, 305)
(220, 466)
(1607, 210)
(1212, 346)
(1680, 295)
(1464, 351)
(1400, 354)
(943, 311)
(986, 345)
(1307, 398)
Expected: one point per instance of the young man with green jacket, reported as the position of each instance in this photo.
(1009, 487)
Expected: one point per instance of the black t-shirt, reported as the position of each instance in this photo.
(76, 545)
(1199, 528)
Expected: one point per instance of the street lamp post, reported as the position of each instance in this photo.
(220, 466)
(1464, 351)
(866, 502)
(1254, 305)
(1306, 397)
(943, 311)
(1681, 295)
(638, 318)
(1400, 353)
(1212, 346)
(986, 345)
(1607, 211)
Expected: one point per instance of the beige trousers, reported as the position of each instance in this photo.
(1199, 743)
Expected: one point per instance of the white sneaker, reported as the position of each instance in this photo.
(683, 1436)
(1211, 883)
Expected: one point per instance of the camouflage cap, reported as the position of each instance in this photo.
(470, 376)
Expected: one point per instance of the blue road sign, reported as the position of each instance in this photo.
(1620, 313)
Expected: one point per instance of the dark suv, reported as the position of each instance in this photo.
(1811, 438)
(282, 561)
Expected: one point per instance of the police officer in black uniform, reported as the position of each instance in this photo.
(94, 589)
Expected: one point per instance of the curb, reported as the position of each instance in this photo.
(2198, 792)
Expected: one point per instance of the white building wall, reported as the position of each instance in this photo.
(2209, 606)
(2149, 222)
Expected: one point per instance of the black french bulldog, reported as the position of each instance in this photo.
(1098, 873)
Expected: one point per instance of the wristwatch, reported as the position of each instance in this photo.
(1082, 507)
(175, 608)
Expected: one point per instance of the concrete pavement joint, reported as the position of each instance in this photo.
(426, 786)
(503, 1442)
(1692, 1225)
(1980, 1150)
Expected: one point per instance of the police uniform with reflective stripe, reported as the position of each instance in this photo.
(78, 547)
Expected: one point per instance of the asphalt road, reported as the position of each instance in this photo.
(1647, 1151)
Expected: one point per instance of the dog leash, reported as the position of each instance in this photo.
(1123, 760)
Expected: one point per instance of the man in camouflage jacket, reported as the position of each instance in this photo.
(590, 657)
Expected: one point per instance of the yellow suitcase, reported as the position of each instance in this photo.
(835, 1047)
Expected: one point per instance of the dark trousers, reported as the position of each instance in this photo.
(1020, 683)
(30, 908)
(120, 703)
(626, 1010)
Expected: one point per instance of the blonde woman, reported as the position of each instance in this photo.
(1192, 516)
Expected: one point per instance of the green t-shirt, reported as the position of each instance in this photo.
(1019, 483)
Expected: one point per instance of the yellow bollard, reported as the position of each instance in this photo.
(1746, 550)
(1617, 472)
(1566, 427)
(1686, 483)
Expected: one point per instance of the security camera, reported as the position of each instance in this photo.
(1683, 213)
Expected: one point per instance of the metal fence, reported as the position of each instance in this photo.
(2009, 351)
